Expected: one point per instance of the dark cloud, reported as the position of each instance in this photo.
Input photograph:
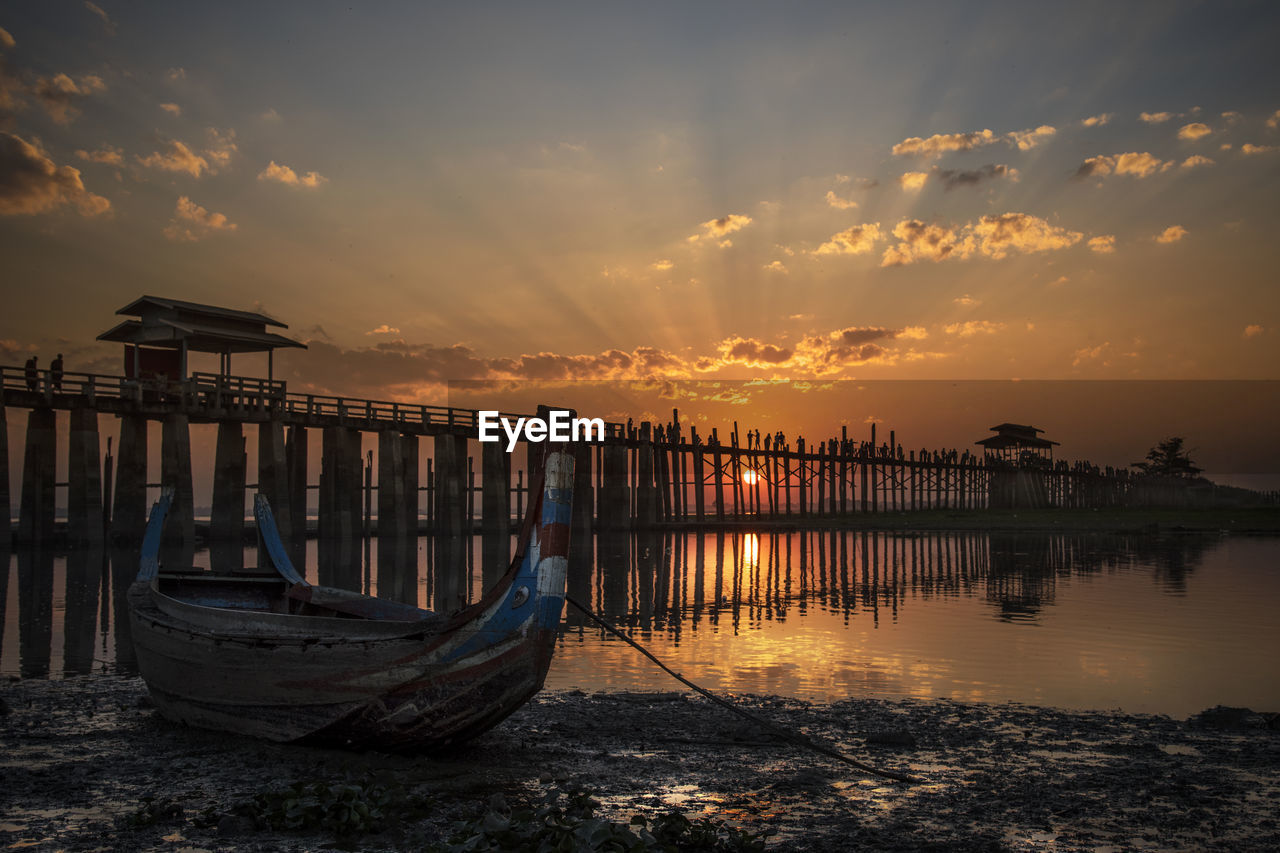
(60, 94)
(31, 183)
(952, 178)
(752, 352)
(862, 334)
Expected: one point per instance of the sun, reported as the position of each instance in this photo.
(750, 477)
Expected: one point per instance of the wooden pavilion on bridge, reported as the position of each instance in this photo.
(158, 342)
(1018, 444)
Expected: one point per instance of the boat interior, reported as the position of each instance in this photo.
(269, 593)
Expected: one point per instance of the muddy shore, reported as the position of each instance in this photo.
(89, 765)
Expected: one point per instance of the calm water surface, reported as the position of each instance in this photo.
(1168, 625)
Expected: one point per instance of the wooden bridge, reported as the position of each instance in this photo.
(638, 476)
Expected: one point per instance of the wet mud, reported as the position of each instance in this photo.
(87, 764)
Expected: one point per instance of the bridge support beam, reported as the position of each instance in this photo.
(273, 480)
(296, 463)
(409, 476)
(615, 492)
(175, 473)
(6, 509)
(129, 507)
(646, 495)
(340, 484)
(84, 480)
(451, 481)
(583, 493)
(495, 509)
(226, 520)
(35, 525)
(391, 495)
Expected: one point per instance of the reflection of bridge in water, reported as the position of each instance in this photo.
(67, 613)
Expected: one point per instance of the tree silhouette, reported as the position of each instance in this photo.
(1168, 459)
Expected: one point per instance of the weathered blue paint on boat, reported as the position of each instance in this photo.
(276, 657)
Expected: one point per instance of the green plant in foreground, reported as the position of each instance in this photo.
(566, 821)
(344, 808)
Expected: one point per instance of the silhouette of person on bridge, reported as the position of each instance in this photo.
(32, 374)
(55, 373)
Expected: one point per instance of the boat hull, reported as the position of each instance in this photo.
(391, 693)
(279, 659)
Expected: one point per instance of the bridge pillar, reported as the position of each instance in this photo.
(6, 509)
(391, 497)
(296, 463)
(175, 473)
(615, 493)
(409, 477)
(340, 484)
(273, 478)
(495, 508)
(129, 508)
(451, 480)
(583, 494)
(646, 495)
(226, 520)
(35, 525)
(84, 479)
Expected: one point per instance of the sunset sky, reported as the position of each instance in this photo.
(619, 191)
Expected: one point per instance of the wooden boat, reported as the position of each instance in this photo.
(275, 657)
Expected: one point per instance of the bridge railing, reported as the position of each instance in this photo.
(214, 393)
(90, 385)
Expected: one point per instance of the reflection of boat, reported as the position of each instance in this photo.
(275, 657)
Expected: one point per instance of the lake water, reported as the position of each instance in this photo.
(1170, 624)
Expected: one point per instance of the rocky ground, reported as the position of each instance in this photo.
(87, 764)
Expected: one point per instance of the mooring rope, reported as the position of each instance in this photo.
(788, 735)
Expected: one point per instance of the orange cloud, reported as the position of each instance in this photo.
(60, 94)
(941, 143)
(913, 181)
(105, 155)
(920, 241)
(995, 236)
(1020, 232)
(1097, 353)
(1155, 118)
(1098, 120)
(855, 240)
(179, 158)
(1193, 131)
(1140, 164)
(1104, 244)
(31, 183)
(285, 175)
(191, 223)
(172, 109)
(1196, 160)
(970, 328)
(1253, 330)
(839, 203)
(1025, 140)
(1172, 234)
(107, 24)
(1250, 148)
(716, 229)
